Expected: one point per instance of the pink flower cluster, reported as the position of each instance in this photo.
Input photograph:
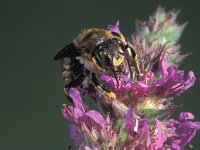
(138, 118)
(139, 132)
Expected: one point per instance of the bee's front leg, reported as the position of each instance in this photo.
(115, 103)
(102, 89)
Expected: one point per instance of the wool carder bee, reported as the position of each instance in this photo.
(93, 52)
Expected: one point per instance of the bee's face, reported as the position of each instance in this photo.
(110, 53)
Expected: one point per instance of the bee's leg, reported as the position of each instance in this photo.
(137, 66)
(135, 59)
(100, 88)
(129, 65)
(109, 94)
(136, 62)
(75, 83)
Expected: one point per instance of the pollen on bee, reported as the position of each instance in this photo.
(111, 95)
(118, 61)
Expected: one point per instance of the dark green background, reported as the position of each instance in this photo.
(31, 88)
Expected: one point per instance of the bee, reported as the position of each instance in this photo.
(93, 52)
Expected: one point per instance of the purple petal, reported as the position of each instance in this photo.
(188, 126)
(163, 66)
(130, 122)
(148, 136)
(182, 130)
(75, 95)
(111, 82)
(185, 116)
(143, 130)
(175, 146)
(186, 133)
(195, 125)
(114, 28)
(96, 116)
(66, 114)
(74, 134)
(139, 147)
(171, 71)
(126, 83)
(172, 83)
(171, 123)
(161, 135)
(88, 148)
(77, 113)
(148, 76)
(190, 80)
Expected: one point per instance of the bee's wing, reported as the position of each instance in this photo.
(68, 51)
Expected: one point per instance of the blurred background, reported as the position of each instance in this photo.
(31, 87)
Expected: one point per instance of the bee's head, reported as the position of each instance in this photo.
(109, 53)
(107, 49)
(110, 56)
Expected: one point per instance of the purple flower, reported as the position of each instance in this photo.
(88, 148)
(130, 121)
(161, 135)
(182, 131)
(133, 113)
(171, 83)
(143, 130)
(78, 113)
(74, 135)
(114, 28)
(185, 116)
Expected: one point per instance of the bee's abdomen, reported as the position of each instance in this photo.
(70, 69)
(66, 70)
